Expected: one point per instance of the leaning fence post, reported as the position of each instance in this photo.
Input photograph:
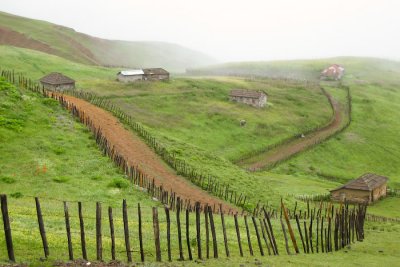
(258, 236)
(140, 233)
(41, 227)
(238, 234)
(214, 235)
(224, 232)
(111, 220)
(68, 228)
(187, 235)
(248, 235)
(7, 228)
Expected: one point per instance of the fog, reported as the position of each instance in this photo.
(231, 30)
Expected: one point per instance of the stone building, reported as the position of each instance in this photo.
(253, 98)
(57, 82)
(154, 74)
(333, 72)
(366, 189)
(127, 76)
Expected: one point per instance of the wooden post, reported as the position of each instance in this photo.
(111, 220)
(264, 236)
(140, 233)
(178, 223)
(188, 235)
(306, 235)
(238, 234)
(168, 232)
(99, 243)
(156, 229)
(41, 228)
(7, 228)
(269, 237)
(82, 230)
(198, 236)
(296, 248)
(213, 233)
(224, 232)
(301, 234)
(126, 231)
(248, 236)
(272, 234)
(68, 229)
(258, 236)
(207, 231)
(285, 236)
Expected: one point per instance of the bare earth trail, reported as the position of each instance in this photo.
(271, 157)
(135, 150)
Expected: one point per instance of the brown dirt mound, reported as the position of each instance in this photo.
(137, 153)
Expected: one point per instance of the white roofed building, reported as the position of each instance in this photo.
(130, 75)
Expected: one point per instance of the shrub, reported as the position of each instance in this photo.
(16, 195)
(119, 183)
(50, 102)
(61, 179)
(7, 179)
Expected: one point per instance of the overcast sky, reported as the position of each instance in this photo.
(232, 30)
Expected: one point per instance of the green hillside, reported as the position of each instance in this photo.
(67, 43)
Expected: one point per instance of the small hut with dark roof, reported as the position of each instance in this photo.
(366, 189)
(155, 74)
(250, 97)
(57, 82)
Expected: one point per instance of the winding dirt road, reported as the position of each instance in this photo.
(278, 154)
(137, 153)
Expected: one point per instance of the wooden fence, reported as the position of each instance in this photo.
(67, 231)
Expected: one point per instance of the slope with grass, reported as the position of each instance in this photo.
(67, 43)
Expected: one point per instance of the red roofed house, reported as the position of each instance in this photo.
(366, 189)
(253, 98)
(333, 72)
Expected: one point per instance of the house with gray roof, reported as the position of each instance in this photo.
(56, 81)
(249, 97)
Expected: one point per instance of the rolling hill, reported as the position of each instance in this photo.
(82, 48)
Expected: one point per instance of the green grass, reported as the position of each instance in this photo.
(67, 43)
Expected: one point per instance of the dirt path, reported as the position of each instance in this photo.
(137, 153)
(269, 158)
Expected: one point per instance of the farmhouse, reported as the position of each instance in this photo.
(366, 189)
(57, 82)
(127, 76)
(154, 74)
(253, 98)
(333, 72)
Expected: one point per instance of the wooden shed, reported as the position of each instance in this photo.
(250, 97)
(366, 189)
(57, 81)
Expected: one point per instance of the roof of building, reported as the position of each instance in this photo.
(156, 71)
(366, 182)
(246, 93)
(131, 72)
(333, 70)
(56, 78)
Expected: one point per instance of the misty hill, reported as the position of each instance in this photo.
(82, 48)
(356, 67)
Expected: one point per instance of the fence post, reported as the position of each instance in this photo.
(224, 232)
(187, 235)
(156, 229)
(285, 236)
(41, 227)
(248, 236)
(68, 228)
(296, 248)
(214, 235)
(238, 234)
(258, 236)
(207, 231)
(168, 232)
(126, 231)
(140, 233)
(198, 236)
(111, 220)
(99, 244)
(178, 224)
(82, 230)
(7, 228)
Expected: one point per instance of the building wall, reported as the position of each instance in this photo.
(61, 87)
(156, 77)
(356, 196)
(379, 192)
(259, 103)
(130, 78)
